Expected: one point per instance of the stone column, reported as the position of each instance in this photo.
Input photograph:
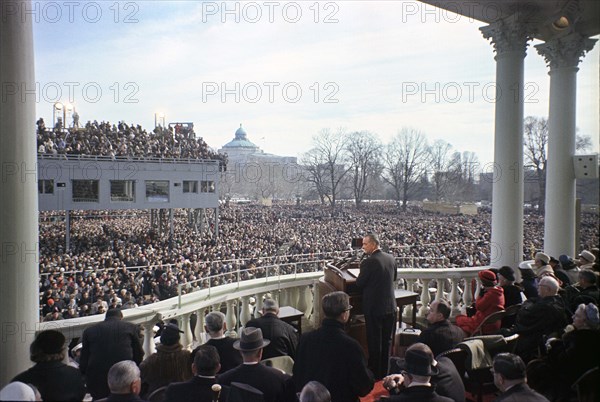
(509, 38)
(563, 56)
(19, 279)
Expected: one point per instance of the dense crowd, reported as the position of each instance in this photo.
(123, 140)
(122, 260)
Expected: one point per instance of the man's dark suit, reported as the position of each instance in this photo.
(105, 344)
(198, 389)
(55, 380)
(283, 337)
(376, 279)
(419, 393)
(441, 336)
(336, 360)
(519, 393)
(274, 384)
(230, 357)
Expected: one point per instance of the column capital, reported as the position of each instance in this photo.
(507, 35)
(565, 52)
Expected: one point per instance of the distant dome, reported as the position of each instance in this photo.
(240, 140)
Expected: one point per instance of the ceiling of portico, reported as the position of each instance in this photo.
(542, 15)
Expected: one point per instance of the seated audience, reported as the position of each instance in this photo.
(124, 382)
(440, 335)
(510, 378)
(55, 380)
(490, 300)
(201, 387)
(169, 364)
(539, 318)
(586, 260)
(584, 291)
(283, 337)
(540, 265)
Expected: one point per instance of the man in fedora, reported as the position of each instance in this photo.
(275, 385)
(415, 378)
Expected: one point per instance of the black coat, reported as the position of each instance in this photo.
(198, 389)
(274, 384)
(105, 344)
(521, 393)
(441, 336)
(230, 357)
(376, 279)
(419, 393)
(55, 380)
(283, 337)
(336, 360)
(535, 319)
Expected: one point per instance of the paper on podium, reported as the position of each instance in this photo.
(354, 272)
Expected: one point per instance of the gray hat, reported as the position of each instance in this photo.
(251, 339)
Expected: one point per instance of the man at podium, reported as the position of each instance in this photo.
(376, 280)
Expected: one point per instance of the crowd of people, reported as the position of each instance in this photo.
(123, 140)
(119, 258)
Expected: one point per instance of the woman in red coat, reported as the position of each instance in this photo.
(490, 301)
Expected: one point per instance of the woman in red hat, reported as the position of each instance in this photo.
(490, 301)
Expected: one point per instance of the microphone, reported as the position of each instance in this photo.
(216, 389)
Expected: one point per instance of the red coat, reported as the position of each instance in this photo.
(492, 301)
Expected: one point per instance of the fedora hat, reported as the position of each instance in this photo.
(418, 362)
(251, 339)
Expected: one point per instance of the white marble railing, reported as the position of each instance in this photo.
(295, 289)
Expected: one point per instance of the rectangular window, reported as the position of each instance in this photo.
(157, 190)
(85, 191)
(122, 190)
(190, 186)
(207, 186)
(46, 186)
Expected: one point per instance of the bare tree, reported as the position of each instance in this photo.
(441, 163)
(363, 149)
(405, 162)
(583, 142)
(535, 137)
(325, 164)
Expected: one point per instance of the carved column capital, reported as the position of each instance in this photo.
(507, 35)
(566, 51)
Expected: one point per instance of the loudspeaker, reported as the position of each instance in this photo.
(585, 166)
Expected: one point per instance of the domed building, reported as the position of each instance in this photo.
(241, 149)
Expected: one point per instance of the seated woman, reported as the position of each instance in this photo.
(491, 299)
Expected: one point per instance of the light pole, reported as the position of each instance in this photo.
(59, 107)
(159, 119)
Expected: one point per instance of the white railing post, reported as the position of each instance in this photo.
(454, 298)
(149, 346)
(425, 298)
(303, 301)
(230, 318)
(259, 304)
(186, 337)
(440, 283)
(245, 311)
(199, 330)
(467, 297)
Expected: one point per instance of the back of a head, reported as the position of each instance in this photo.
(550, 283)
(335, 303)
(214, 321)
(114, 313)
(270, 306)
(207, 360)
(443, 308)
(314, 391)
(509, 366)
(588, 276)
(121, 375)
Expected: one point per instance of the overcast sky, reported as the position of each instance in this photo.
(285, 70)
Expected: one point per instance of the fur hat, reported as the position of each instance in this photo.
(588, 256)
(542, 257)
